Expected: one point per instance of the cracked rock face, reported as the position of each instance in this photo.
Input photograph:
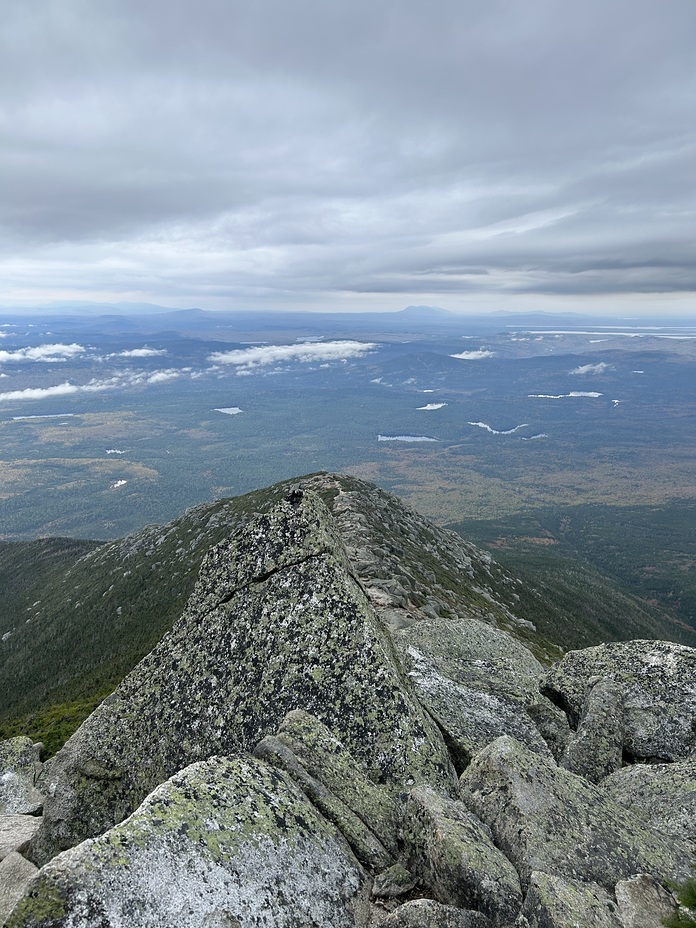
(277, 622)
(596, 750)
(223, 843)
(324, 759)
(456, 857)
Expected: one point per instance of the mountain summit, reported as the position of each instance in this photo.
(348, 724)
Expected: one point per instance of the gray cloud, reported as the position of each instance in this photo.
(334, 154)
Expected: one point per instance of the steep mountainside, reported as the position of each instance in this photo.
(81, 616)
(649, 550)
(349, 725)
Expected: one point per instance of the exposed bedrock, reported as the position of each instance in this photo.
(225, 842)
(658, 682)
(276, 623)
(547, 819)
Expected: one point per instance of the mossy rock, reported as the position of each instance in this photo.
(226, 842)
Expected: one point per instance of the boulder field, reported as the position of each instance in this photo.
(316, 743)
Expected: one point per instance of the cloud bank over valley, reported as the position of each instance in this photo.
(247, 359)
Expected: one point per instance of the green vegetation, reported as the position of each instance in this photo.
(686, 916)
(52, 725)
(82, 614)
(628, 570)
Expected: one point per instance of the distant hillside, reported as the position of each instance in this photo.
(606, 567)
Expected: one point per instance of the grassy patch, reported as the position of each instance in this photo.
(52, 725)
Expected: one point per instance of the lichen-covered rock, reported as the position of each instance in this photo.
(642, 902)
(476, 655)
(545, 818)
(325, 757)
(426, 913)
(17, 832)
(412, 569)
(555, 902)
(364, 843)
(663, 795)
(455, 856)
(19, 770)
(468, 718)
(226, 842)
(476, 680)
(15, 875)
(597, 748)
(393, 882)
(276, 623)
(552, 724)
(658, 679)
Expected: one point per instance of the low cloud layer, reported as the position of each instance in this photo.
(473, 355)
(500, 155)
(598, 368)
(140, 353)
(47, 353)
(247, 359)
(121, 381)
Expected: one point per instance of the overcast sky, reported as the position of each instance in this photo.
(350, 154)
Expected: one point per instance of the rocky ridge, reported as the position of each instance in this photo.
(346, 727)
